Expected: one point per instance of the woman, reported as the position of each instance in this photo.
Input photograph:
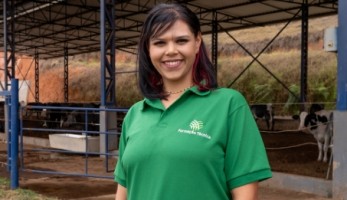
(188, 139)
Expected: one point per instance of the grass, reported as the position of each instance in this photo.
(19, 194)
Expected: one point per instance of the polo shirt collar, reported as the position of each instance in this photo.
(156, 103)
(196, 91)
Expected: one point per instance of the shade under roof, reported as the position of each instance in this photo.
(47, 27)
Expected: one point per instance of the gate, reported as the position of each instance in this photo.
(78, 141)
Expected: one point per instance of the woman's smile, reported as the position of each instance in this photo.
(172, 64)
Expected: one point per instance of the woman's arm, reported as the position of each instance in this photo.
(245, 192)
(121, 193)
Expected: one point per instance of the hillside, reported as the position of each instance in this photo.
(282, 57)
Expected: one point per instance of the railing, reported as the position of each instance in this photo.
(72, 122)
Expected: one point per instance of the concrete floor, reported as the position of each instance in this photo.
(267, 193)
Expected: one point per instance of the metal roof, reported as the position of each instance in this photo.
(47, 26)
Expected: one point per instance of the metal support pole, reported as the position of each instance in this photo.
(66, 75)
(4, 87)
(14, 134)
(37, 77)
(215, 41)
(304, 54)
(340, 116)
(342, 59)
(12, 42)
(9, 42)
(107, 45)
(7, 113)
(111, 46)
(9, 62)
(108, 68)
(102, 53)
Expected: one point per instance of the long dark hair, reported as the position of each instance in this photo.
(160, 19)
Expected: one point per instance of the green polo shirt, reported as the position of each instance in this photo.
(201, 147)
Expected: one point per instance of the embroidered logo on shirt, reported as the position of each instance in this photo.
(195, 127)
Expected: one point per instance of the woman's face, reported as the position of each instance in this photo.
(173, 53)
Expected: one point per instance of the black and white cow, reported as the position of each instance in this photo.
(266, 112)
(319, 123)
(53, 118)
(82, 120)
(64, 115)
(70, 119)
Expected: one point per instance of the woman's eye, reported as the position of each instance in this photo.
(159, 43)
(182, 41)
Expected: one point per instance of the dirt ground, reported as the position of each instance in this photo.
(293, 152)
(289, 151)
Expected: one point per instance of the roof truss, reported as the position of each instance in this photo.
(47, 27)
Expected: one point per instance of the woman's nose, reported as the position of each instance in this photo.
(171, 48)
